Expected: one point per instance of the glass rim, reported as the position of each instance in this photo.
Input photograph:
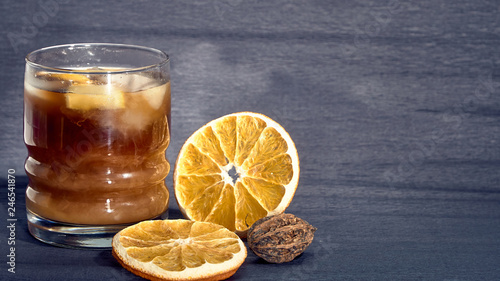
(164, 58)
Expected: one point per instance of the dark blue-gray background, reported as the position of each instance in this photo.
(394, 107)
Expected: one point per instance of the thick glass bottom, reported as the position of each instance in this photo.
(74, 235)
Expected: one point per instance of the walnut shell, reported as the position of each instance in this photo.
(280, 238)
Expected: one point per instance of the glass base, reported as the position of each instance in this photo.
(74, 235)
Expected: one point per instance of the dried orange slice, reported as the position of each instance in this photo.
(235, 170)
(179, 250)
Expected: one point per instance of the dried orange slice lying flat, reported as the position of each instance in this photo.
(179, 250)
(235, 170)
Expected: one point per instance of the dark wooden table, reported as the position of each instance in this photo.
(394, 107)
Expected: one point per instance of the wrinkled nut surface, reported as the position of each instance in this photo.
(280, 238)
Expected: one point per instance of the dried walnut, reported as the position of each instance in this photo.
(280, 238)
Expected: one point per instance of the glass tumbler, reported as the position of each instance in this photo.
(96, 127)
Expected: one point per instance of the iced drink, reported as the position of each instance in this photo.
(96, 145)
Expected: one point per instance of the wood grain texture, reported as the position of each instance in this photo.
(394, 107)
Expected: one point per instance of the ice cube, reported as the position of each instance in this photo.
(132, 120)
(154, 96)
(90, 96)
(143, 89)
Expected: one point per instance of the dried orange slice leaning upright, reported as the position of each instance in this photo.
(235, 170)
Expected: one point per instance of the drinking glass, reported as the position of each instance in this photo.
(96, 127)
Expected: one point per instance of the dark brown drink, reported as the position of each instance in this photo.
(96, 146)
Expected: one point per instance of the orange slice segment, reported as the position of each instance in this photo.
(235, 170)
(73, 78)
(179, 250)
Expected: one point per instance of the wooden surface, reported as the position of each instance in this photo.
(394, 107)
